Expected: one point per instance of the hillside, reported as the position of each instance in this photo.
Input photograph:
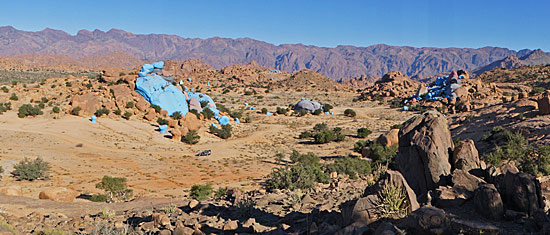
(536, 57)
(335, 63)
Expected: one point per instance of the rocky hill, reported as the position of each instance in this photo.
(536, 57)
(336, 63)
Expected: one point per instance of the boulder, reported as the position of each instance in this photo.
(395, 178)
(488, 202)
(122, 94)
(465, 156)
(362, 210)
(194, 104)
(461, 178)
(389, 138)
(544, 103)
(176, 134)
(427, 220)
(59, 194)
(522, 192)
(422, 90)
(11, 190)
(151, 115)
(231, 225)
(387, 228)
(449, 197)
(424, 146)
(191, 122)
(172, 123)
(142, 104)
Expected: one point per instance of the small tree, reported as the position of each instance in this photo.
(224, 132)
(201, 191)
(29, 110)
(56, 109)
(317, 112)
(115, 186)
(14, 97)
(363, 132)
(207, 113)
(162, 121)
(75, 111)
(31, 170)
(127, 115)
(191, 138)
(350, 113)
(130, 104)
(176, 115)
(264, 110)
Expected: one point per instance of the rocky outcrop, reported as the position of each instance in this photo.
(465, 156)
(544, 104)
(424, 146)
(89, 103)
(58, 194)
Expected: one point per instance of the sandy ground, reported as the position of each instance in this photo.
(81, 152)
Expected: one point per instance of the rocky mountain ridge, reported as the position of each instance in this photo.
(336, 63)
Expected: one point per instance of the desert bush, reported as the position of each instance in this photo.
(201, 191)
(14, 97)
(350, 113)
(68, 84)
(156, 108)
(127, 115)
(350, 166)
(116, 187)
(220, 193)
(207, 113)
(195, 112)
(281, 110)
(264, 110)
(224, 132)
(117, 112)
(191, 137)
(5, 89)
(326, 136)
(99, 198)
(56, 109)
(397, 126)
(327, 107)
(317, 112)
(176, 115)
(359, 145)
(101, 111)
(236, 114)
(52, 231)
(31, 169)
(130, 105)
(162, 121)
(29, 110)
(382, 154)
(512, 146)
(392, 202)
(305, 173)
(363, 132)
(5, 107)
(247, 119)
(75, 111)
(301, 113)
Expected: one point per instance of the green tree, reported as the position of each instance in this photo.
(115, 186)
(31, 169)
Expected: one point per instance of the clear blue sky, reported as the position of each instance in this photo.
(438, 23)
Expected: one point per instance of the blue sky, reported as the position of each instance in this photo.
(465, 23)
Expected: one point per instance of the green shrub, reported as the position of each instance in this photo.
(195, 112)
(121, 74)
(220, 193)
(236, 114)
(29, 110)
(201, 191)
(156, 108)
(350, 166)
(99, 198)
(392, 202)
(14, 97)
(224, 132)
(248, 93)
(56, 109)
(327, 107)
(204, 103)
(176, 115)
(363, 132)
(68, 84)
(75, 111)
(247, 119)
(5, 89)
(89, 85)
(327, 136)
(534, 91)
(115, 186)
(317, 112)
(264, 110)
(31, 170)
(350, 113)
(191, 137)
(306, 173)
(130, 105)
(397, 126)
(127, 115)
(282, 110)
(162, 121)
(305, 135)
(359, 145)
(207, 113)
(117, 112)
(101, 111)
(382, 154)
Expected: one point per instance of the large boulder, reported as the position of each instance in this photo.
(194, 104)
(463, 179)
(395, 178)
(427, 220)
(11, 190)
(389, 138)
(424, 146)
(59, 194)
(307, 105)
(191, 122)
(544, 103)
(488, 202)
(122, 94)
(466, 156)
(362, 210)
(522, 192)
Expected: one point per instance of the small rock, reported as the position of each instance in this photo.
(231, 225)
(488, 201)
(165, 232)
(193, 203)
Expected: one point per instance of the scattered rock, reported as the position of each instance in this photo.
(193, 203)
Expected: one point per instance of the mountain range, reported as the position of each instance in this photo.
(338, 62)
